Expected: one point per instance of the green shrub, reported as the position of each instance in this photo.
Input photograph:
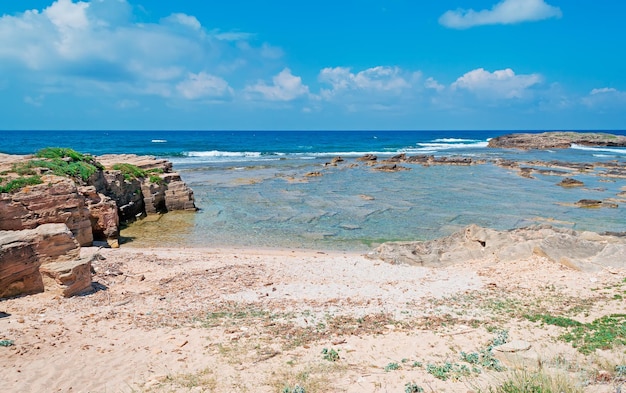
(76, 169)
(19, 183)
(62, 152)
(130, 171)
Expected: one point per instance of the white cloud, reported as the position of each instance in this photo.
(377, 78)
(431, 83)
(88, 46)
(605, 98)
(36, 101)
(498, 84)
(66, 15)
(284, 87)
(204, 85)
(185, 20)
(505, 12)
(127, 104)
(603, 90)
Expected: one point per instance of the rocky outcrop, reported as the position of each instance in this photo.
(24, 253)
(56, 200)
(42, 226)
(556, 140)
(586, 251)
(103, 215)
(95, 210)
(162, 191)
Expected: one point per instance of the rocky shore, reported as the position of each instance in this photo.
(44, 223)
(557, 140)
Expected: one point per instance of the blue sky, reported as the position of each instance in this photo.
(366, 64)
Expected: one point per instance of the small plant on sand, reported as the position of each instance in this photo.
(330, 354)
(392, 367)
(448, 370)
(602, 333)
(412, 387)
(6, 343)
(540, 381)
(296, 389)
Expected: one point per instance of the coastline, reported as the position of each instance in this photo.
(267, 319)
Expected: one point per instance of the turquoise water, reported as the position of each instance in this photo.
(252, 189)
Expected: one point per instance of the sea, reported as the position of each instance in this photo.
(252, 188)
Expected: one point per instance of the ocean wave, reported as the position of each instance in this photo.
(453, 140)
(434, 147)
(159, 141)
(605, 149)
(218, 153)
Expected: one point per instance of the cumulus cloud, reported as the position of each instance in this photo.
(498, 84)
(377, 78)
(431, 83)
(605, 98)
(76, 47)
(380, 89)
(285, 87)
(505, 12)
(203, 85)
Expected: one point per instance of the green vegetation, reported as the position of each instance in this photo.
(62, 152)
(392, 367)
(296, 389)
(522, 381)
(602, 333)
(330, 354)
(6, 343)
(412, 387)
(132, 172)
(448, 370)
(61, 162)
(19, 183)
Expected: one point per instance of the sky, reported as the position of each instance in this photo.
(304, 65)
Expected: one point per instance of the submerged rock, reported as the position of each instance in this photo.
(568, 182)
(593, 204)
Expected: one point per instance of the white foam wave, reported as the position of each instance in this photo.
(453, 140)
(433, 147)
(218, 153)
(605, 149)
(159, 141)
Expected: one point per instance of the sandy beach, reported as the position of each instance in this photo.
(223, 320)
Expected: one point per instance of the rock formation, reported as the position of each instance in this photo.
(556, 140)
(586, 251)
(42, 226)
(56, 200)
(49, 247)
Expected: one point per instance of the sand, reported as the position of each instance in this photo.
(239, 320)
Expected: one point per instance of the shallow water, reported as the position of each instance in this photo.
(358, 208)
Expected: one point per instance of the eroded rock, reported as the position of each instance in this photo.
(56, 200)
(22, 253)
(586, 251)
